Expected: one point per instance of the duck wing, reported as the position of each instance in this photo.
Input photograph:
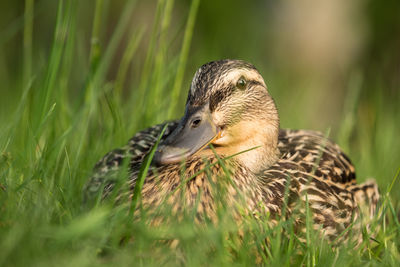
(312, 171)
(317, 155)
(106, 171)
(288, 190)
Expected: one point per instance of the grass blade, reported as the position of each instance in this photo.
(176, 89)
(143, 173)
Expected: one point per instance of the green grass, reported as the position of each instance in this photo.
(65, 114)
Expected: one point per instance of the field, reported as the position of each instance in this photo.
(79, 78)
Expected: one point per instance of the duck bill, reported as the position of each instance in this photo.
(194, 132)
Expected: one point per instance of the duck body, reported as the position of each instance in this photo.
(290, 171)
(310, 166)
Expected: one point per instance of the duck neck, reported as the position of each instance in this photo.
(256, 149)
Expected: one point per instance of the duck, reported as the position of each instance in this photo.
(229, 150)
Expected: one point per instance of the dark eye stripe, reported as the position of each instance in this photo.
(219, 95)
(223, 93)
(252, 83)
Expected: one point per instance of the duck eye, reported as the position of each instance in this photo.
(196, 123)
(241, 83)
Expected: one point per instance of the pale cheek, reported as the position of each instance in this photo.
(217, 117)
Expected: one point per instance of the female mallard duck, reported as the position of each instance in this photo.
(257, 163)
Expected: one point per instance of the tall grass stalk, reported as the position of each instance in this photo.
(28, 32)
(187, 38)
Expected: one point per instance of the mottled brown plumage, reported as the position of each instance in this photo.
(240, 115)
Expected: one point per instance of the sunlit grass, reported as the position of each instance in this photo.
(51, 139)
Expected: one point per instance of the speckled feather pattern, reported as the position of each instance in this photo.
(311, 168)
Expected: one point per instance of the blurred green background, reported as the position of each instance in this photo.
(326, 63)
(78, 78)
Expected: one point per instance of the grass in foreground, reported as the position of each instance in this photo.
(52, 138)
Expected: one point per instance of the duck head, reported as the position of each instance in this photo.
(228, 106)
